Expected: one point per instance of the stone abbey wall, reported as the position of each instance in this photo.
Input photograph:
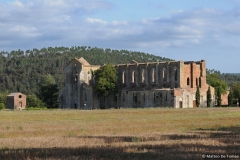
(140, 85)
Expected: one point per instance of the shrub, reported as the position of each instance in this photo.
(2, 106)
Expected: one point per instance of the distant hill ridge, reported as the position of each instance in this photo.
(22, 71)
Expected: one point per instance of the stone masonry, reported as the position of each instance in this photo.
(140, 85)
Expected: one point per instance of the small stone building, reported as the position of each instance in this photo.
(140, 85)
(16, 101)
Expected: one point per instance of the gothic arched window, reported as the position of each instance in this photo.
(133, 77)
(153, 75)
(200, 82)
(188, 81)
(123, 77)
(143, 75)
(164, 74)
(196, 81)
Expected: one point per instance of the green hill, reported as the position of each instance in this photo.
(22, 71)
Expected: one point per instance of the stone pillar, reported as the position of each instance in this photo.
(193, 75)
(156, 74)
(136, 76)
(203, 73)
(181, 75)
(160, 75)
(168, 76)
(146, 75)
(127, 76)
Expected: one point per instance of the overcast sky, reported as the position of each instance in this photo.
(178, 29)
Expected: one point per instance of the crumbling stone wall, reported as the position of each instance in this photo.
(140, 85)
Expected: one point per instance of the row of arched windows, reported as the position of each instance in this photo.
(153, 75)
(144, 97)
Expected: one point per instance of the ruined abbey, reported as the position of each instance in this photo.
(140, 85)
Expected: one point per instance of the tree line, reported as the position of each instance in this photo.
(23, 71)
(223, 83)
(38, 72)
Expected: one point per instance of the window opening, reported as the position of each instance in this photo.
(153, 75)
(176, 74)
(164, 75)
(143, 75)
(200, 82)
(133, 77)
(123, 77)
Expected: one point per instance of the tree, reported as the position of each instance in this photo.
(2, 106)
(197, 96)
(230, 98)
(215, 81)
(3, 98)
(236, 91)
(209, 97)
(106, 78)
(219, 98)
(48, 91)
(34, 102)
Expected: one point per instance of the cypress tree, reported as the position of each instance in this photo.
(209, 97)
(230, 98)
(219, 99)
(197, 96)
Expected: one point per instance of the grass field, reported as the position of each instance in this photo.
(119, 133)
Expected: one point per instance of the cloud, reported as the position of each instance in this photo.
(72, 22)
(202, 32)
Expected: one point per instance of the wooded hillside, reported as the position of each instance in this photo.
(22, 71)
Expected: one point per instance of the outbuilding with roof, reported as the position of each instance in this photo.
(16, 101)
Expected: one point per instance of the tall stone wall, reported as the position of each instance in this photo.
(149, 75)
(139, 85)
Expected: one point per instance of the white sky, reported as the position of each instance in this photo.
(178, 29)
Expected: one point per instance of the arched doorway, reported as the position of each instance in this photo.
(180, 102)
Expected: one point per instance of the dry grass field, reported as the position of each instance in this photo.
(120, 133)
